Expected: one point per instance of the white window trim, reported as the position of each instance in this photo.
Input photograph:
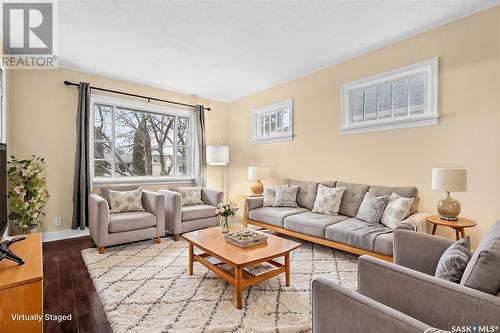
(277, 137)
(145, 107)
(429, 117)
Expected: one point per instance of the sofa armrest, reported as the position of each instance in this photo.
(338, 309)
(154, 203)
(173, 211)
(436, 302)
(418, 251)
(253, 203)
(415, 222)
(211, 197)
(99, 220)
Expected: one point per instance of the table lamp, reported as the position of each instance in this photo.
(449, 180)
(258, 174)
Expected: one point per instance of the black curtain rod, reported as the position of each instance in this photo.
(69, 83)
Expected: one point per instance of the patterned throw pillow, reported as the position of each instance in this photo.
(372, 208)
(126, 201)
(328, 200)
(286, 196)
(190, 195)
(451, 265)
(397, 210)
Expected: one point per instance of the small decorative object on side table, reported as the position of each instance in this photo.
(459, 225)
(258, 174)
(224, 210)
(448, 180)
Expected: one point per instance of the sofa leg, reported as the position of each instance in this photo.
(176, 237)
(157, 240)
(102, 249)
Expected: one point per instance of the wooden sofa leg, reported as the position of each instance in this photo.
(102, 249)
(176, 237)
(157, 240)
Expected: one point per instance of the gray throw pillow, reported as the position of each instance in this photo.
(485, 273)
(451, 265)
(286, 196)
(372, 208)
(328, 200)
(126, 201)
(269, 195)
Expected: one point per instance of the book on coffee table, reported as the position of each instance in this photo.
(259, 269)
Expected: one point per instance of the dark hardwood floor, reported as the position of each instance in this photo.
(68, 288)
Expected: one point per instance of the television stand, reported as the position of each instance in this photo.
(6, 253)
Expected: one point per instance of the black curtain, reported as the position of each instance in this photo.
(202, 146)
(81, 184)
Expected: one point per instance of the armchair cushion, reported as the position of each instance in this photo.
(196, 212)
(126, 201)
(190, 195)
(453, 261)
(128, 221)
(105, 190)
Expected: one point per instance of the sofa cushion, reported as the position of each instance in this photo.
(307, 192)
(274, 215)
(311, 223)
(196, 212)
(328, 200)
(452, 263)
(372, 208)
(478, 273)
(362, 235)
(404, 191)
(396, 210)
(352, 198)
(128, 221)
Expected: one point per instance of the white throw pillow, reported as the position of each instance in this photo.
(328, 200)
(397, 210)
(126, 201)
(270, 195)
(190, 195)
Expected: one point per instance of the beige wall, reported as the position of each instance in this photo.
(41, 117)
(467, 134)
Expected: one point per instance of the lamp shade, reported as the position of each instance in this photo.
(449, 179)
(217, 155)
(258, 173)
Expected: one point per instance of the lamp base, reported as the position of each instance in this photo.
(257, 188)
(448, 208)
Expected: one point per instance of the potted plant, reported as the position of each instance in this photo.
(224, 210)
(27, 192)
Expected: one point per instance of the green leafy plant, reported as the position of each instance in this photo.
(27, 191)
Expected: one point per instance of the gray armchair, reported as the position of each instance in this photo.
(405, 296)
(111, 229)
(180, 219)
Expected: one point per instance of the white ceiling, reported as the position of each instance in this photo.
(228, 49)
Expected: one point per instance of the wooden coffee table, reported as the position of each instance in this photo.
(211, 242)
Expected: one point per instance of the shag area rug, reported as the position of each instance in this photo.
(145, 287)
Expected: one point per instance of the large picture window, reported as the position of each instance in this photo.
(140, 142)
(405, 97)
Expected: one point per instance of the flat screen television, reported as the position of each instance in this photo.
(3, 189)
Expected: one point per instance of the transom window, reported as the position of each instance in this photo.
(406, 97)
(273, 123)
(140, 142)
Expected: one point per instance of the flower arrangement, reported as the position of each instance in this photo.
(27, 191)
(224, 210)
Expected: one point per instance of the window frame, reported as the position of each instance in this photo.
(149, 108)
(272, 109)
(430, 115)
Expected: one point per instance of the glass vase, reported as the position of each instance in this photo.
(224, 224)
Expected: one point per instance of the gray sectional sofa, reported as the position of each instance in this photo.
(342, 231)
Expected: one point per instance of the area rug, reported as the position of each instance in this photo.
(144, 287)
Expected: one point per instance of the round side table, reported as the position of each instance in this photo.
(459, 226)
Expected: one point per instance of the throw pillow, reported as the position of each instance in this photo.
(269, 195)
(328, 200)
(451, 265)
(372, 208)
(126, 201)
(485, 275)
(397, 210)
(286, 196)
(190, 195)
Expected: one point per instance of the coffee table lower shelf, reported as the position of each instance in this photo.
(240, 279)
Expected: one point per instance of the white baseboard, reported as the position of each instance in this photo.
(63, 234)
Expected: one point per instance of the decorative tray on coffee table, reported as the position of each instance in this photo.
(246, 237)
